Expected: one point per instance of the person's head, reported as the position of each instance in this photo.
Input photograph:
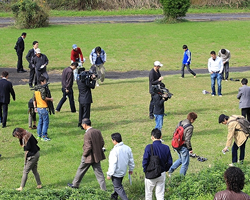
(74, 47)
(5, 74)
(18, 133)
(86, 123)
(98, 50)
(35, 44)
(116, 138)
(244, 81)
(223, 119)
(42, 80)
(184, 47)
(38, 52)
(235, 179)
(223, 51)
(157, 65)
(213, 54)
(192, 116)
(24, 35)
(156, 134)
(74, 65)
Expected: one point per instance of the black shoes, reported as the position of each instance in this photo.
(4, 126)
(72, 186)
(21, 71)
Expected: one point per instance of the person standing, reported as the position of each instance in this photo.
(244, 97)
(92, 156)
(164, 154)
(120, 158)
(234, 131)
(19, 47)
(67, 87)
(225, 55)
(186, 148)
(186, 61)
(40, 62)
(29, 56)
(154, 79)
(76, 56)
(5, 91)
(98, 57)
(29, 144)
(215, 68)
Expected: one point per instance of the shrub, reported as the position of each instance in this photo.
(30, 14)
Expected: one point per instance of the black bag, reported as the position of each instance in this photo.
(154, 168)
(30, 104)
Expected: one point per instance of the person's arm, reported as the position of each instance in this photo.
(188, 134)
(34, 103)
(131, 163)
(209, 66)
(113, 158)
(69, 78)
(46, 61)
(81, 56)
(189, 56)
(146, 157)
(104, 57)
(230, 134)
(72, 57)
(91, 58)
(87, 148)
(221, 66)
(239, 94)
(228, 56)
(152, 80)
(43, 95)
(12, 92)
(28, 57)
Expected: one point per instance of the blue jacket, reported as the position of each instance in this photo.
(186, 57)
(160, 150)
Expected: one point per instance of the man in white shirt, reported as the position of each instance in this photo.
(215, 68)
(120, 158)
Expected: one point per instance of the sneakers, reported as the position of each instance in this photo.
(231, 165)
(45, 139)
(38, 137)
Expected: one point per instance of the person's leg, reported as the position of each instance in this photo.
(158, 121)
(222, 73)
(242, 151)
(81, 108)
(190, 70)
(99, 175)
(71, 100)
(213, 77)
(1, 112)
(234, 153)
(151, 107)
(20, 61)
(102, 70)
(31, 78)
(34, 169)
(40, 123)
(45, 122)
(30, 120)
(63, 99)
(184, 154)
(5, 113)
(182, 70)
(160, 186)
(226, 67)
(176, 164)
(244, 112)
(219, 79)
(149, 186)
(118, 188)
(86, 111)
(248, 114)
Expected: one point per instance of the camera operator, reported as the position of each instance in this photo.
(85, 81)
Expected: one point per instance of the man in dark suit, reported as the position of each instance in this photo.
(85, 97)
(19, 50)
(244, 97)
(29, 56)
(5, 90)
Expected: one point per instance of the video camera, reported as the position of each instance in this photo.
(87, 75)
(161, 90)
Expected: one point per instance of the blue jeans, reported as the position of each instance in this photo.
(219, 78)
(183, 160)
(234, 152)
(43, 123)
(159, 121)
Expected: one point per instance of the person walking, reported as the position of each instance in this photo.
(19, 47)
(225, 55)
(120, 158)
(244, 97)
(215, 68)
(92, 156)
(164, 154)
(5, 91)
(67, 87)
(29, 144)
(29, 56)
(186, 148)
(186, 61)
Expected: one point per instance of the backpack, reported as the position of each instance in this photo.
(154, 168)
(177, 140)
(244, 124)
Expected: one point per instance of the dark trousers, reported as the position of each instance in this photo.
(234, 152)
(3, 113)
(32, 76)
(84, 111)
(118, 188)
(225, 70)
(70, 94)
(20, 61)
(246, 113)
(151, 106)
(188, 68)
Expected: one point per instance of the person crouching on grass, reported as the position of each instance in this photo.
(29, 144)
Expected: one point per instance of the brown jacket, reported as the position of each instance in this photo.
(234, 131)
(231, 195)
(92, 147)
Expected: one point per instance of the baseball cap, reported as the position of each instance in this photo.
(221, 118)
(157, 63)
(74, 46)
(38, 50)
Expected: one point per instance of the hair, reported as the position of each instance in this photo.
(22, 135)
(75, 64)
(192, 116)
(235, 179)
(98, 49)
(213, 53)
(35, 42)
(223, 51)
(184, 46)
(244, 81)
(41, 79)
(156, 133)
(24, 34)
(117, 137)
(5, 74)
(86, 121)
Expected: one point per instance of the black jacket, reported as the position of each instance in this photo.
(153, 78)
(29, 56)
(19, 45)
(84, 88)
(5, 90)
(158, 104)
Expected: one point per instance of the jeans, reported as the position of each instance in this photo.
(234, 152)
(226, 70)
(183, 160)
(158, 121)
(219, 78)
(70, 94)
(188, 68)
(43, 123)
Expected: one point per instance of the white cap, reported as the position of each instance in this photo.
(38, 50)
(157, 63)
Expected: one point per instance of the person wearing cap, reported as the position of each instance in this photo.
(225, 55)
(40, 62)
(244, 97)
(186, 61)
(29, 56)
(215, 68)
(76, 56)
(98, 57)
(234, 132)
(155, 78)
(92, 156)
(19, 47)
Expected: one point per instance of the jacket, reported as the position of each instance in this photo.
(93, 56)
(85, 95)
(158, 104)
(6, 89)
(186, 57)
(153, 79)
(231, 195)
(67, 78)
(19, 45)
(188, 132)
(37, 62)
(29, 56)
(244, 97)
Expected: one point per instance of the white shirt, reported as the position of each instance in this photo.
(215, 65)
(119, 158)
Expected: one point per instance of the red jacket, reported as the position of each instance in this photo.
(75, 54)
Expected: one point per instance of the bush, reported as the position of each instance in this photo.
(30, 14)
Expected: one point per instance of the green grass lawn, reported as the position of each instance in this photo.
(119, 106)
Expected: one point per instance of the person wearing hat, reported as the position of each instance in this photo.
(76, 56)
(234, 132)
(40, 62)
(154, 79)
(92, 156)
(186, 61)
